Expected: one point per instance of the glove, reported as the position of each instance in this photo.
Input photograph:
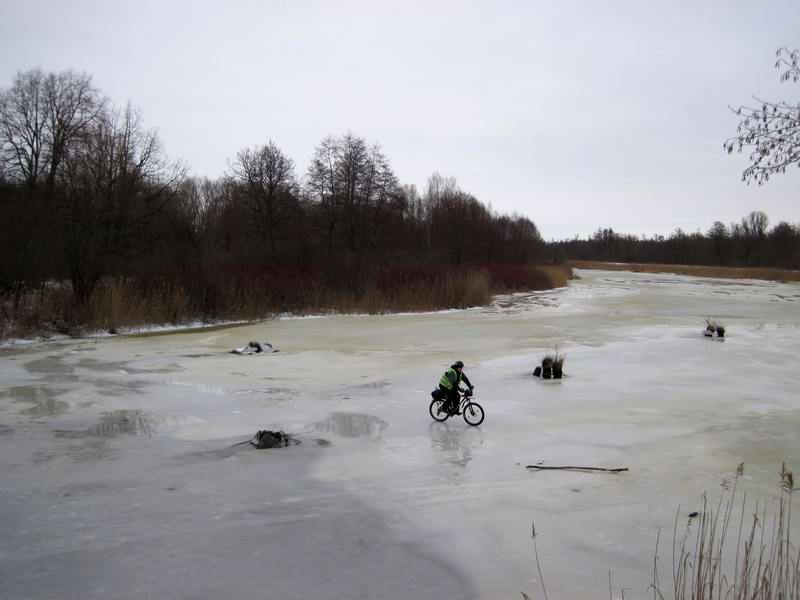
(472, 387)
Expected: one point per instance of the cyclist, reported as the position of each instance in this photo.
(449, 385)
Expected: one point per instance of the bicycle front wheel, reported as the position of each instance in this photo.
(438, 410)
(473, 414)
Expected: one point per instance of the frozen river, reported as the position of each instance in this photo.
(117, 479)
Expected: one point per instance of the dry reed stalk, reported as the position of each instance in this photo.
(766, 564)
(558, 275)
(536, 554)
(764, 273)
(120, 303)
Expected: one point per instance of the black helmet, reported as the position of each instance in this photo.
(458, 365)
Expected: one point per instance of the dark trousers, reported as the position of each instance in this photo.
(453, 398)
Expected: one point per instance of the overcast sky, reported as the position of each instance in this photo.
(577, 114)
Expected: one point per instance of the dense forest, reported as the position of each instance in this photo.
(748, 243)
(99, 228)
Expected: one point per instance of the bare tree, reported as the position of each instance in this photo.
(113, 185)
(40, 115)
(352, 170)
(718, 234)
(755, 225)
(349, 180)
(198, 204)
(438, 190)
(269, 187)
(322, 185)
(770, 132)
(72, 104)
(23, 123)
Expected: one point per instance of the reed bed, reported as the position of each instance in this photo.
(720, 557)
(250, 292)
(764, 273)
(721, 553)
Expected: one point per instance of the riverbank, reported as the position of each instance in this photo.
(131, 306)
(761, 273)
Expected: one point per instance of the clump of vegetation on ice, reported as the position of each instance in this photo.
(713, 327)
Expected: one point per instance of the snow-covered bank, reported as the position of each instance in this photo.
(118, 477)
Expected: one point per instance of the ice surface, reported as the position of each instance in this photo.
(118, 480)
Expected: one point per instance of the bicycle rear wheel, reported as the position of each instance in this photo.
(438, 410)
(473, 414)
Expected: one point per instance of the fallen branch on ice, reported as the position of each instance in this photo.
(568, 468)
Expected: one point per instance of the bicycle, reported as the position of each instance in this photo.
(472, 411)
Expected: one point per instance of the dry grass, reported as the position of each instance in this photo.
(762, 564)
(250, 292)
(555, 359)
(708, 563)
(452, 291)
(512, 278)
(715, 326)
(558, 275)
(117, 305)
(767, 274)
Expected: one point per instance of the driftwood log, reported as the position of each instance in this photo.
(571, 468)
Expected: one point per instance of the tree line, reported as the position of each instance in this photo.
(88, 195)
(747, 243)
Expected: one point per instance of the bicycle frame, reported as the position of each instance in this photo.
(440, 409)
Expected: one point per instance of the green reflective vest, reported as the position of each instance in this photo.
(446, 382)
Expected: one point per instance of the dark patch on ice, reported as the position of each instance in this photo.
(792, 298)
(72, 434)
(353, 425)
(220, 453)
(119, 388)
(276, 393)
(195, 355)
(111, 366)
(44, 400)
(375, 385)
(119, 422)
(128, 422)
(695, 281)
(275, 390)
(84, 489)
(6, 429)
(54, 368)
(89, 448)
